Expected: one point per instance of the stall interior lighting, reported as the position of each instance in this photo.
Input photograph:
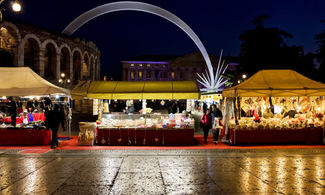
(277, 109)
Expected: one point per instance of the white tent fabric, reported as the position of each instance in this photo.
(23, 81)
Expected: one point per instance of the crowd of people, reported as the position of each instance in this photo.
(208, 120)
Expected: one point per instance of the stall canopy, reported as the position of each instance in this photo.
(276, 83)
(136, 90)
(23, 81)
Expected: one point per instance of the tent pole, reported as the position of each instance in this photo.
(235, 110)
(239, 109)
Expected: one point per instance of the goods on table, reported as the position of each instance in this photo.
(299, 122)
(146, 121)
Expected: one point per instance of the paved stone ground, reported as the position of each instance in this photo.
(263, 171)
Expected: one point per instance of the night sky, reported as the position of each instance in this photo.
(218, 23)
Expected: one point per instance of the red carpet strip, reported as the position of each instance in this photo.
(73, 145)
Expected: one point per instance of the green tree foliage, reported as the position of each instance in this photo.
(264, 48)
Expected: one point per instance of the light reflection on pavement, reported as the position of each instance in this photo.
(164, 172)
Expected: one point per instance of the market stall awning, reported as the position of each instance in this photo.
(276, 83)
(125, 90)
(23, 81)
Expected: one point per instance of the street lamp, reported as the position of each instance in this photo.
(63, 80)
(15, 5)
(244, 76)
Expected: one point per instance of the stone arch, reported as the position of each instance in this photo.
(31, 52)
(14, 29)
(50, 60)
(85, 65)
(76, 64)
(9, 40)
(96, 68)
(47, 41)
(92, 67)
(65, 60)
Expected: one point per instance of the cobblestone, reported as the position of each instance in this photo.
(271, 171)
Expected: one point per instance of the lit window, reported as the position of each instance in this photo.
(132, 74)
(173, 75)
(148, 65)
(140, 74)
(140, 64)
(132, 64)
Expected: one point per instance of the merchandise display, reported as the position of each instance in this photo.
(174, 121)
(299, 122)
(280, 113)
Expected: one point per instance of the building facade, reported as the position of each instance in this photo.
(160, 68)
(48, 54)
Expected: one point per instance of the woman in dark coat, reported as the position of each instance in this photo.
(207, 125)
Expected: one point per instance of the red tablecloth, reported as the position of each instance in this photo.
(19, 120)
(288, 136)
(153, 137)
(20, 137)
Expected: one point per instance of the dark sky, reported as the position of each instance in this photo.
(218, 23)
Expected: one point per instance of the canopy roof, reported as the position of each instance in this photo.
(276, 83)
(125, 90)
(23, 81)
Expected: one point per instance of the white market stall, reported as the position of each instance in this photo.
(22, 82)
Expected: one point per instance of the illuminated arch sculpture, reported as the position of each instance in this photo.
(209, 81)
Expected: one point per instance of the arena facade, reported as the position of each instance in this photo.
(49, 54)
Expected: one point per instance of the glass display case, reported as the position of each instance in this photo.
(119, 120)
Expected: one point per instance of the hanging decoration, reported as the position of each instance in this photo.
(211, 81)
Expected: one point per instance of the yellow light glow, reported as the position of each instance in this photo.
(244, 76)
(4, 97)
(68, 81)
(60, 80)
(62, 74)
(238, 82)
(16, 6)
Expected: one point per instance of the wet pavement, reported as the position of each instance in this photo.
(261, 171)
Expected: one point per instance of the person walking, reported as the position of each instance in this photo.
(215, 114)
(13, 111)
(206, 124)
(55, 118)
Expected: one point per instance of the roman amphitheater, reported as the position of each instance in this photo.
(49, 54)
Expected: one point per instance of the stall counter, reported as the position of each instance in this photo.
(24, 137)
(145, 136)
(277, 136)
